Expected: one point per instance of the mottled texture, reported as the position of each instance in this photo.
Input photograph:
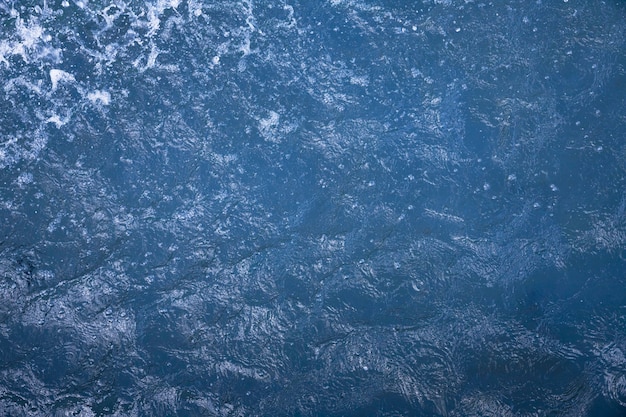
(323, 208)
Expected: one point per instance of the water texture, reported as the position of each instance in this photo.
(316, 208)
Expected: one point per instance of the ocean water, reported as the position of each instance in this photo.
(324, 208)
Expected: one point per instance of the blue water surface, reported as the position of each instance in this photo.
(322, 208)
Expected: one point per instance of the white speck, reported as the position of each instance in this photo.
(414, 28)
(536, 205)
(99, 96)
(457, 30)
(197, 12)
(365, 368)
(599, 148)
(486, 186)
(511, 177)
(65, 3)
(554, 187)
(215, 60)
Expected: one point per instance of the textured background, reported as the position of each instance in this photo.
(323, 208)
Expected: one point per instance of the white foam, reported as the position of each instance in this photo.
(56, 119)
(154, 53)
(57, 75)
(362, 80)
(24, 178)
(5, 49)
(38, 143)
(290, 17)
(30, 34)
(153, 22)
(245, 45)
(98, 96)
(268, 127)
(154, 13)
(444, 216)
(269, 122)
